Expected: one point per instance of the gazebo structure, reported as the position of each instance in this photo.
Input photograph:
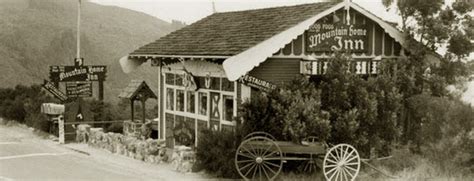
(137, 90)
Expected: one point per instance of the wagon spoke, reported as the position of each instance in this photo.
(348, 155)
(332, 161)
(245, 155)
(266, 150)
(332, 174)
(248, 151)
(254, 171)
(353, 169)
(265, 171)
(250, 169)
(266, 156)
(332, 165)
(337, 174)
(245, 166)
(265, 165)
(354, 163)
(333, 156)
(354, 157)
(351, 175)
(341, 153)
(259, 171)
(331, 170)
(344, 173)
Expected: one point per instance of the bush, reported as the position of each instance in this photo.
(363, 111)
(289, 113)
(444, 132)
(215, 153)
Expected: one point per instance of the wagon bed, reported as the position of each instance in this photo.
(260, 157)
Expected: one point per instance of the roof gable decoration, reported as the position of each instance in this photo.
(137, 89)
(240, 64)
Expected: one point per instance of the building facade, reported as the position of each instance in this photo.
(207, 69)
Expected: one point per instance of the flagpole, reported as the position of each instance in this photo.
(78, 55)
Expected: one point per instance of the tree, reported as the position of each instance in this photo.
(430, 25)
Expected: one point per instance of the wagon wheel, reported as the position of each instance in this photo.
(342, 162)
(311, 165)
(258, 158)
(259, 133)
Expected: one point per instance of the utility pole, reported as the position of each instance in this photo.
(213, 7)
(78, 55)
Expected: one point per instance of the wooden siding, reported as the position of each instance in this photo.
(277, 71)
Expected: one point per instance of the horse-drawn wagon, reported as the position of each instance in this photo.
(261, 157)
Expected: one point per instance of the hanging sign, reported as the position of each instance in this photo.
(52, 109)
(189, 82)
(55, 91)
(324, 37)
(257, 83)
(75, 73)
(79, 89)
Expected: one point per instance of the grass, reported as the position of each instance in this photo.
(403, 165)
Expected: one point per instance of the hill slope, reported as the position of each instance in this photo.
(37, 33)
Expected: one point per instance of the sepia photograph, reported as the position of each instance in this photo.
(321, 90)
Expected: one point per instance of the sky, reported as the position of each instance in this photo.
(190, 11)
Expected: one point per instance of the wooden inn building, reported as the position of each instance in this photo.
(207, 69)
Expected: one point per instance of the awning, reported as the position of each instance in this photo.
(128, 65)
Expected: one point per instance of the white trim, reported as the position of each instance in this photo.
(324, 56)
(177, 56)
(392, 31)
(240, 64)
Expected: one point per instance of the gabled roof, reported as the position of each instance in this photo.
(134, 88)
(230, 33)
(247, 38)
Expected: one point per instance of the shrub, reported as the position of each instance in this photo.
(363, 111)
(289, 113)
(444, 130)
(215, 152)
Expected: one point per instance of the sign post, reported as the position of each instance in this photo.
(61, 129)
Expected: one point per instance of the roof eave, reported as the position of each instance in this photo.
(240, 64)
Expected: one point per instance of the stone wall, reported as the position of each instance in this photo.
(150, 150)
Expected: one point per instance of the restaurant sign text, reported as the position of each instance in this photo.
(322, 37)
(79, 89)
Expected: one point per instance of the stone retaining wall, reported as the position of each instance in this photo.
(150, 150)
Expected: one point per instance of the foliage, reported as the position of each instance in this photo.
(215, 152)
(445, 134)
(363, 111)
(292, 112)
(23, 104)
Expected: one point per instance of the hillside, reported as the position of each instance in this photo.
(37, 33)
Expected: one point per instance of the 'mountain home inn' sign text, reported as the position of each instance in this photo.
(323, 37)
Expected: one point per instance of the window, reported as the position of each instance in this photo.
(227, 85)
(169, 99)
(180, 100)
(169, 79)
(179, 79)
(190, 96)
(202, 103)
(228, 109)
